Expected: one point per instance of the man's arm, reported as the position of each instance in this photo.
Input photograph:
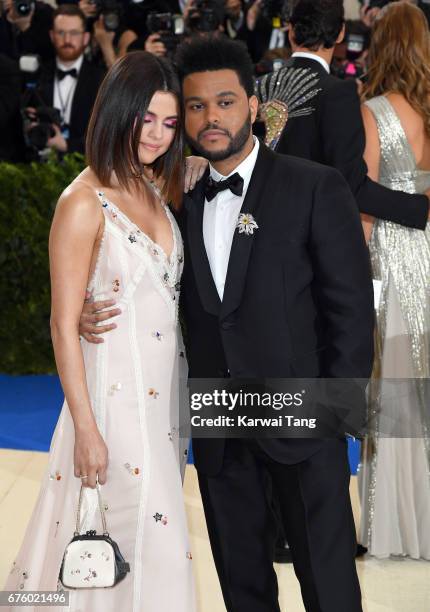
(343, 142)
(343, 281)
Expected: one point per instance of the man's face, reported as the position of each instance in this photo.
(218, 113)
(69, 37)
(233, 8)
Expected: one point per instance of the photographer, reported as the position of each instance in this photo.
(69, 84)
(24, 29)
(266, 22)
(138, 34)
(11, 137)
(164, 30)
(105, 21)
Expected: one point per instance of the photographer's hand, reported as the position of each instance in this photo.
(253, 14)
(105, 41)
(58, 142)
(154, 45)
(189, 4)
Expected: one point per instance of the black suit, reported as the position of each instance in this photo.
(333, 134)
(89, 80)
(11, 134)
(298, 302)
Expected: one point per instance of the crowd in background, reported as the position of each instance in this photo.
(52, 61)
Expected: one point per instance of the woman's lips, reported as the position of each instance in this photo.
(151, 147)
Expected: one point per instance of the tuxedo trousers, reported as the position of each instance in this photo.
(316, 515)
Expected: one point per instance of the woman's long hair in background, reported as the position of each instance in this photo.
(399, 57)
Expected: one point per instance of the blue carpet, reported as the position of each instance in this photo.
(29, 409)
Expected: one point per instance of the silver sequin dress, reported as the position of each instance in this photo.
(394, 475)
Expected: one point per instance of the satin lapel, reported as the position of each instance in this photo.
(242, 243)
(81, 90)
(194, 204)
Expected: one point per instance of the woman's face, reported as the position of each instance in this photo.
(159, 126)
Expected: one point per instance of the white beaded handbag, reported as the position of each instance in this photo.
(92, 561)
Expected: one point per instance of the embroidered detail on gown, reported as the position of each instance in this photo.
(394, 477)
(133, 381)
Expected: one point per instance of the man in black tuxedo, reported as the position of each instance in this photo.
(291, 299)
(70, 84)
(324, 119)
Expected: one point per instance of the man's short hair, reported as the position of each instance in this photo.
(71, 10)
(202, 54)
(316, 23)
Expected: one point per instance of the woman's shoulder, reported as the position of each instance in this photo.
(79, 203)
(81, 195)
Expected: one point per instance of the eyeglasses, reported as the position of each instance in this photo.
(71, 33)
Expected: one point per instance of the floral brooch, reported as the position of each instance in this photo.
(246, 224)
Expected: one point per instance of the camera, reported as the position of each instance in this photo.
(166, 23)
(37, 125)
(111, 11)
(377, 4)
(37, 136)
(169, 27)
(277, 11)
(205, 16)
(23, 7)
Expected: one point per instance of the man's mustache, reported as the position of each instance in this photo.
(213, 126)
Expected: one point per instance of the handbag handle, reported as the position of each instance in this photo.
(102, 513)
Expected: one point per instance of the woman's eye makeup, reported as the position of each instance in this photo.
(170, 123)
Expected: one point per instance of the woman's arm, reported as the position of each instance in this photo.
(372, 154)
(77, 224)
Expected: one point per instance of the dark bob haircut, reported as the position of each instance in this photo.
(316, 23)
(216, 53)
(116, 122)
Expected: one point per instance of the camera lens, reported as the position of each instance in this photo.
(23, 7)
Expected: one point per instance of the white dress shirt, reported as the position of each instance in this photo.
(220, 218)
(312, 56)
(64, 90)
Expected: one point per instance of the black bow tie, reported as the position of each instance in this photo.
(63, 73)
(233, 182)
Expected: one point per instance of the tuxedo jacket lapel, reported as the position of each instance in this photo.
(46, 88)
(242, 243)
(80, 102)
(241, 246)
(194, 205)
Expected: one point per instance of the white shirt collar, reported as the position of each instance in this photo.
(312, 56)
(245, 168)
(77, 64)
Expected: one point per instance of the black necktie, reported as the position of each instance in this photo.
(233, 182)
(63, 73)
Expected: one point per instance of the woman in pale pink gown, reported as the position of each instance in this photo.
(114, 236)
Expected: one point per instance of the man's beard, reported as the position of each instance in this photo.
(236, 145)
(69, 54)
